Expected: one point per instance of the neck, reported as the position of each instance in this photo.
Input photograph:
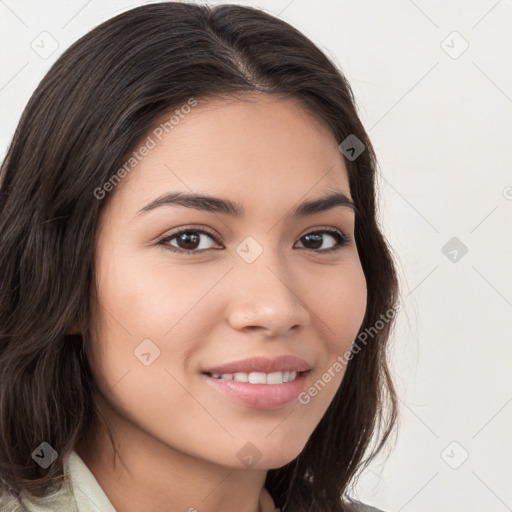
(150, 475)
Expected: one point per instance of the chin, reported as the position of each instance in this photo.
(274, 458)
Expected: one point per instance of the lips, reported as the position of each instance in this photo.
(259, 396)
(262, 364)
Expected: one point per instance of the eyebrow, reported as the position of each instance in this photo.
(225, 206)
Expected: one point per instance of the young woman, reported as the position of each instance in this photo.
(196, 297)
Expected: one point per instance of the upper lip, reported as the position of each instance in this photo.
(262, 364)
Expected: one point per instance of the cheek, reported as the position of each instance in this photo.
(341, 313)
(345, 307)
(143, 340)
(175, 306)
(148, 297)
(149, 313)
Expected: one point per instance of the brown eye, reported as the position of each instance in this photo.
(188, 241)
(315, 240)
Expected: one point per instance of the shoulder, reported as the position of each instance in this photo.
(58, 497)
(9, 503)
(357, 506)
(54, 501)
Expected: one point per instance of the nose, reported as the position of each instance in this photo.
(263, 296)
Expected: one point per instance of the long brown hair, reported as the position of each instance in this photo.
(100, 97)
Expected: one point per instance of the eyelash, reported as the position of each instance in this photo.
(342, 239)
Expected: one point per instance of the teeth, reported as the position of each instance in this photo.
(258, 377)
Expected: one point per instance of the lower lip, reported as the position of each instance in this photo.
(260, 396)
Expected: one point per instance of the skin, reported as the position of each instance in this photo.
(177, 437)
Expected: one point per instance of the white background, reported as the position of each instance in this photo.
(441, 125)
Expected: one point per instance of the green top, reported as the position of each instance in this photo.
(81, 492)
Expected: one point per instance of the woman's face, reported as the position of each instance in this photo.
(254, 286)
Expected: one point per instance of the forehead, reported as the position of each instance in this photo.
(260, 147)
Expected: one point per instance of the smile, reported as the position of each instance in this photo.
(259, 390)
(258, 377)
